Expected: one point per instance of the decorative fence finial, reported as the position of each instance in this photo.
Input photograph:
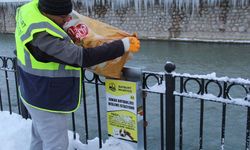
(169, 67)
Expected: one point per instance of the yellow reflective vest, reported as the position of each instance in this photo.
(51, 86)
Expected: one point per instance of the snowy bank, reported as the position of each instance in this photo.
(15, 135)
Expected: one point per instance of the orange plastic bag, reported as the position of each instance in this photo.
(90, 33)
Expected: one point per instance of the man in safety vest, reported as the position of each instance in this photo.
(49, 68)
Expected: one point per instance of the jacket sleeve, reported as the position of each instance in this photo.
(47, 48)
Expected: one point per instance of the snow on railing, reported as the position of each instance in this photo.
(160, 87)
(211, 97)
(213, 76)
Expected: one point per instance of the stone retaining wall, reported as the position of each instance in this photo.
(218, 23)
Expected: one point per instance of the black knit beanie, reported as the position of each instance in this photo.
(55, 7)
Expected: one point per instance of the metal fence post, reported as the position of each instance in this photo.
(170, 106)
(24, 111)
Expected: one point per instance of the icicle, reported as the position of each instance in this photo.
(160, 3)
(152, 3)
(190, 5)
(233, 3)
(146, 5)
(136, 3)
(140, 6)
(165, 6)
(243, 3)
(112, 6)
(182, 4)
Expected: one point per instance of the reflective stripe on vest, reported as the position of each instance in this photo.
(55, 73)
(42, 25)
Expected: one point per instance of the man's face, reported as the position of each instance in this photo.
(58, 19)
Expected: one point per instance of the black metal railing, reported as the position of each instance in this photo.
(203, 85)
(222, 95)
(170, 93)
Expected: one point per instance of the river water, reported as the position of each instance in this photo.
(225, 59)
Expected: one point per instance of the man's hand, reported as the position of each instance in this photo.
(131, 44)
(134, 44)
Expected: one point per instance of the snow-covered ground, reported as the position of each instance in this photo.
(15, 135)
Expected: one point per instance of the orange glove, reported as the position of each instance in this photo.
(134, 44)
(131, 44)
